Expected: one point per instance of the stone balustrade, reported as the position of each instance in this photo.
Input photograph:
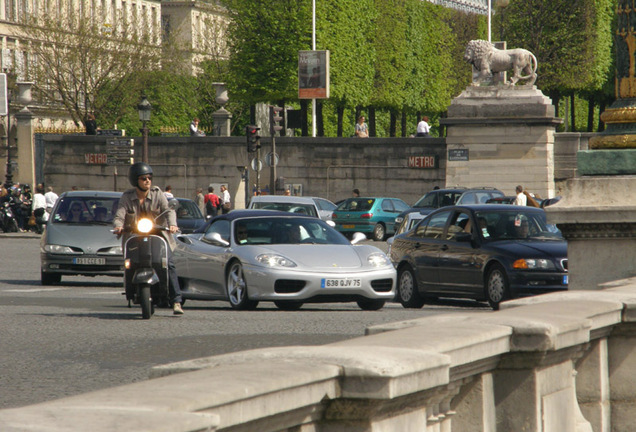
(563, 362)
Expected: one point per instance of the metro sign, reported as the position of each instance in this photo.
(425, 162)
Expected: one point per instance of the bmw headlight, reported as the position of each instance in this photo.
(378, 260)
(59, 249)
(533, 264)
(144, 225)
(272, 260)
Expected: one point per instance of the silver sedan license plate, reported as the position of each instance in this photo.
(90, 261)
(340, 283)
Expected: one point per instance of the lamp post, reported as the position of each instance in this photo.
(8, 181)
(144, 109)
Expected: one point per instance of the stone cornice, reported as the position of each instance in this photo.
(600, 231)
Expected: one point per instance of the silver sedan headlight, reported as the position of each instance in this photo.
(59, 249)
(111, 251)
(273, 260)
(378, 260)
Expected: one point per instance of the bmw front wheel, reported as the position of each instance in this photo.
(497, 287)
(407, 293)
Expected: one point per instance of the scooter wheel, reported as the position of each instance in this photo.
(144, 301)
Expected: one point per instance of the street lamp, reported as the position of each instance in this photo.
(144, 109)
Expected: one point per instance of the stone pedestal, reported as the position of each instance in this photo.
(596, 216)
(221, 122)
(501, 136)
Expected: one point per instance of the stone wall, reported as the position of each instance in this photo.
(562, 362)
(327, 167)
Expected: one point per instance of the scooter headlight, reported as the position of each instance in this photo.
(144, 225)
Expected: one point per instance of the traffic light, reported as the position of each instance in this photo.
(253, 139)
(275, 116)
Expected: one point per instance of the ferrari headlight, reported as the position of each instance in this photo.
(144, 225)
(59, 249)
(533, 264)
(272, 260)
(378, 260)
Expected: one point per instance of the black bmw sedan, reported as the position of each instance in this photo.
(484, 252)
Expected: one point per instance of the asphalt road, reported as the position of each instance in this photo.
(81, 336)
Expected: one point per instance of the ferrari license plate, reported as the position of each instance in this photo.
(340, 283)
(90, 261)
(348, 226)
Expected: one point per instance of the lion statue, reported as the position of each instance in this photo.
(488, 60)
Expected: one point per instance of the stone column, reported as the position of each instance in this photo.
(221, 116)
(597, 211)
(501, 136)
(24, 135)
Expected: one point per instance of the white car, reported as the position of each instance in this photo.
(312, 206)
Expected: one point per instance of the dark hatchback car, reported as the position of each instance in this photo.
(453, 196)
(189, 216)
(483, 252)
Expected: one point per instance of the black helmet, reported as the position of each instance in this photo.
(136, 170)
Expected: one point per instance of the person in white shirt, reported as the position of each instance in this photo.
(423, 129)
(226, 204)
(50, 197)
(39, 202)
(521, 199)
(168, 192)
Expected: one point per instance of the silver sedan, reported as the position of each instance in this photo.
(247, 256)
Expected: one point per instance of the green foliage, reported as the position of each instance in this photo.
(345, 28)
(264, 39)
(174, 100)
(570, 40)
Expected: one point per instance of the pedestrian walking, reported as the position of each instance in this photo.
(225, 199)
(212, 203)
(199, 199)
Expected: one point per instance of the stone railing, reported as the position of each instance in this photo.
(563, 362)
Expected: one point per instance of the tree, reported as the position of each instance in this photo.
(85, 66)
(571, 41)
(264, 37)
(347, 34)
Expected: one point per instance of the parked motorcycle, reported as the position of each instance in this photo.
(146, 263)
(8, 221)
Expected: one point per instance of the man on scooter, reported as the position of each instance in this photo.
(145, 199)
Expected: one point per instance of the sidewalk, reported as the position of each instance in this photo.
(30, 235)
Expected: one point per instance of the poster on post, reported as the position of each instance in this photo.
(313, 74)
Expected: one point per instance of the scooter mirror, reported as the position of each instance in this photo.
(174, 204)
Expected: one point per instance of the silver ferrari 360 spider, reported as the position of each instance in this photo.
(247, 256)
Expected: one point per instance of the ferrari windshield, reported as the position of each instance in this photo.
(282, 230)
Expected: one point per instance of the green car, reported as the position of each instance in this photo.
(372, 216)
